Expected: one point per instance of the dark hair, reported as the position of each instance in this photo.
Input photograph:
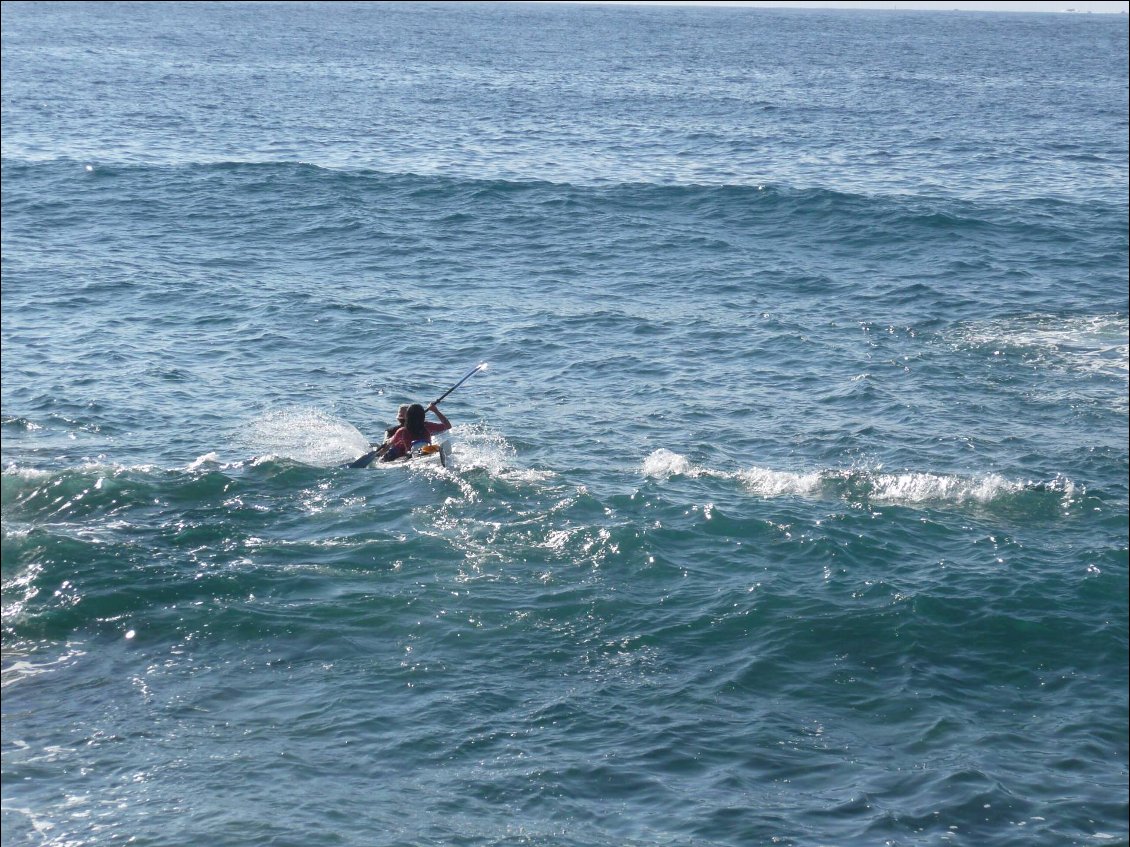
(414, 421)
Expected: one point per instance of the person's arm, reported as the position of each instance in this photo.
(434, 409)
(397, 446)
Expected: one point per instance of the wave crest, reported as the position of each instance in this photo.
(906, 487)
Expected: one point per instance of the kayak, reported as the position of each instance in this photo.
(440, 452)
(419, 450)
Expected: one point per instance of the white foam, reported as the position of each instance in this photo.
(12, 469)
(476, 447)
(664, 463)
(87, 466)
(770, 483)
(308, 435)
(926, 487)
(1093, 344)
(908, 487)
(200, 461)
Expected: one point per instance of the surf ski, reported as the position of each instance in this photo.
(421, 452)
(413, 425)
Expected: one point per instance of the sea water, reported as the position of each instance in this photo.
(791, 509)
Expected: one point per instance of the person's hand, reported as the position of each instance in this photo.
(432, 407)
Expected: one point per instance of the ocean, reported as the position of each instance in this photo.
(790, 509)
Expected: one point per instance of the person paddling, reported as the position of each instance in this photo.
(413, 428)
(414, 431)
(377, 450)
(391, 431)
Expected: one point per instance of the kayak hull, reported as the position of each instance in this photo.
(439, 452)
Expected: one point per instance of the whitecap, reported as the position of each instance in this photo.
(1098, 344)
(912, 487)
(770, 483)
(664, 463)
(200, 461)
(907, 487)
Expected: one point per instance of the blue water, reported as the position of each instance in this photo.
(791, 509)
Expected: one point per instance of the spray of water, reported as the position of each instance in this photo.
(309, 436)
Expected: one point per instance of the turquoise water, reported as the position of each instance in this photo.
(792, 506)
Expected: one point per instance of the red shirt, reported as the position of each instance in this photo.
(403, 440)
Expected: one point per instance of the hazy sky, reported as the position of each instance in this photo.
(1116, 6)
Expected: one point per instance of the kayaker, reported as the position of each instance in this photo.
(391, 431)
(400, 416)
(415, 429)
(378, 450)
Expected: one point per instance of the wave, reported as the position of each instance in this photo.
(927, 211)
(20, 424)
(909, 488)
(280, 452)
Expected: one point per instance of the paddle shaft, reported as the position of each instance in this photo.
(474, 371)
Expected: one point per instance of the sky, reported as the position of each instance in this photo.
(1096, 6)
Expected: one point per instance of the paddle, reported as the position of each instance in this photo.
(482, 366)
